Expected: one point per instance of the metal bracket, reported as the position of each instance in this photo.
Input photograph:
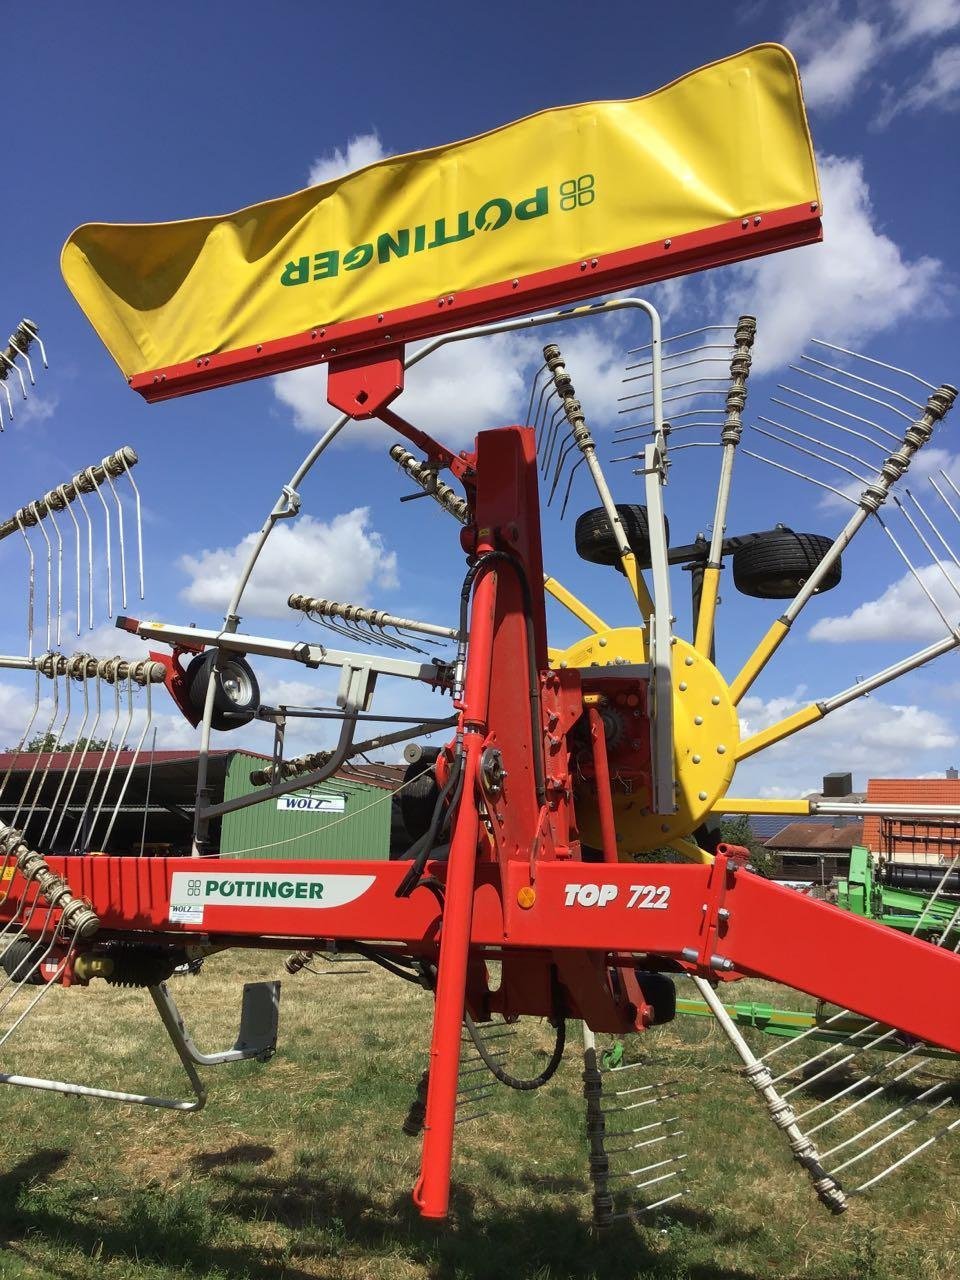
(257, 1038)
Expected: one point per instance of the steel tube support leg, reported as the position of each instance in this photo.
(431, 1194)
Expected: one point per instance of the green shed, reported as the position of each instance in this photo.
(349, 816)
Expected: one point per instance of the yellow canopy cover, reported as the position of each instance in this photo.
(564, 186)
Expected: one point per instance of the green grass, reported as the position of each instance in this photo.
(298, 1168)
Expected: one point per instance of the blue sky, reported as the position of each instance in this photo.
(133, 114)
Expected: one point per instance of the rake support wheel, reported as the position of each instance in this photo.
(595, 541)
(777, 565)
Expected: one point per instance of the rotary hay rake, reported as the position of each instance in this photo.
(560, 769)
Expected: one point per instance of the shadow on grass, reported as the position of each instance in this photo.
(332, 1223)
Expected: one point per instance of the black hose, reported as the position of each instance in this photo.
(512, 1082)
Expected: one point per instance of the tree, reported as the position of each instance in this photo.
(44, 742)
(737, 830)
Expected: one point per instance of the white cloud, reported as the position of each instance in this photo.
(870, 737)
(453, 394)
(834, 55)
(361, 150)
(856, 284)
(920, 19)
(902, 612)
(938, 85)
(35, 408)
(339, 559)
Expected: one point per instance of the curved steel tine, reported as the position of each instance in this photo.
(6, 392)
(728, 347)
(31, 586)
(824, 444)
(552, 433)
(85, 740)
(819, 342)
(91, 790)
(68, 507)
(566, 496)
(944, 499)
(850, 391)
(13, 981)
(56, 529)
(12, 364)
(47, 734)
(25, 734)
(26, 360)
(847, 413)
(914, 571)
(116, 755)
(136, 496)
(685, 364)
(148, 721)
(854, 377)
(946, 545)
(46, 986)
(533, 391)
(36, 513)
(817, 417)
(46, 769)
(65, 772)
(88, 472)
(83, 755)
(558, 472)
(927, 547)
(34, 333)
(83, 508)
(123, 553)
(809, 452)
(801, 475)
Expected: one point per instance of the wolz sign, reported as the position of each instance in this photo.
(714, 168)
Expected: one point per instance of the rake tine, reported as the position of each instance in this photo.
(6, 392)
(817, 417)
(802, 435)
(81, 737)
(688, 351)
(810, 454)
(21, 351)
(913, 569)
(92, 789)
(560, 467)
(123, 553)
(566, 496)
(53, 751)
(898, 1164)
(533, 392)
(42, 990)
(47, 734)
(850, 391)
(31, 581)
(11, 980)
(871, 1128)
(33, 334)
(136, 495)
(106, 516)
(86, 513)
(800, 475)
(116, 756)
(34, 510)
(83, 756)
(935, 558)
(552, 433)
(689, 333)
(61, 492)
(825, 404)
(73, 751)
(877, 386)
(17, 370)
(819, 342)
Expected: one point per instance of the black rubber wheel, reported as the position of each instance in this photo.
(236, 694)
(19, 958)
(595, 541)
(418, 799)
(777, 565)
